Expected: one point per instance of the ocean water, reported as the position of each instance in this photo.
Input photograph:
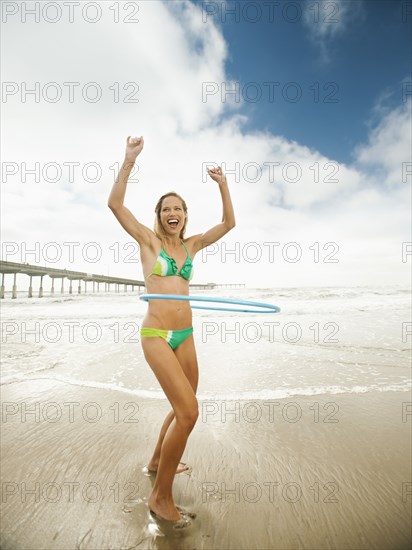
(324, 341)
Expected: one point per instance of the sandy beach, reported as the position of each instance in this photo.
(308, 472)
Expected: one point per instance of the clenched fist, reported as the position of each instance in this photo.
(217, 175)
(134, 147)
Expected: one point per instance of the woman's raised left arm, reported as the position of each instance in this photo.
(228, 217)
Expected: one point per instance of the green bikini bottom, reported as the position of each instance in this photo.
(173, 337)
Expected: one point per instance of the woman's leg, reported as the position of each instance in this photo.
(154, 461)
(186, 355)
(181, 395)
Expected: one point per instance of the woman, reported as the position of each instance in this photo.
(166, 331)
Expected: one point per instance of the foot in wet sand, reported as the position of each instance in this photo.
(182, 523)
(165, 511)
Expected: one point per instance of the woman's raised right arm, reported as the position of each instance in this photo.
(116, 198)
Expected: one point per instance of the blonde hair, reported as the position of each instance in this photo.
(158, 228)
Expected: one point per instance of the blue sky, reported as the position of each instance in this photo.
(166, 57)
(367, 61)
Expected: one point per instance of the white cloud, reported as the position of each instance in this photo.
(169, 54)
(389, 147)
(326, 21)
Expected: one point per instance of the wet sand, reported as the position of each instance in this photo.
(286, 474)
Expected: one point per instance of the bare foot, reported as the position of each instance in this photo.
(181, 467)
(165, 509)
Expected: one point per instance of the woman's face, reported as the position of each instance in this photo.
(172, 215)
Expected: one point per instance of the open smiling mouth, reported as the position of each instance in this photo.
(173, 222)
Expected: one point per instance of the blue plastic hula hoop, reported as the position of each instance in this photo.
(271, 308)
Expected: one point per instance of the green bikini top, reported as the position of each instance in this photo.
(166, 266)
